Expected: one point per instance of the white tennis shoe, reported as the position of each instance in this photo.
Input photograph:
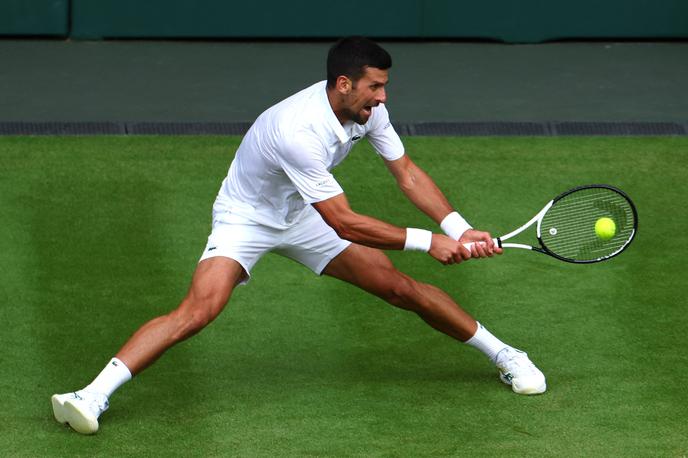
(80, 410)
(517, 370)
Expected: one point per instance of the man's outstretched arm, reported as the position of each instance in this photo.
(420, 189)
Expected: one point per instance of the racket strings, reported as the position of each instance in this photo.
(568, 227)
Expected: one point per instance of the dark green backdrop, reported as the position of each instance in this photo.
(528, 21)
(34, 17)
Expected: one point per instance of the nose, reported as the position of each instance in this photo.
(381, 96)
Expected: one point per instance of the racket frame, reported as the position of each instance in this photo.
(499, 241)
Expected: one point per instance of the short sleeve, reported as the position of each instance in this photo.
(382, 135)
(303, 161)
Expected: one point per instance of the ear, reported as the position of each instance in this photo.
(344, 85)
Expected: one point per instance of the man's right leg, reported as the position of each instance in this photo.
(211, 287)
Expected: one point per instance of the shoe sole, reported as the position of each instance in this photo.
(530, 390)
(527, 391)
(69, 413)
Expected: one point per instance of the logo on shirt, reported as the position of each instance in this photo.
(355, 138)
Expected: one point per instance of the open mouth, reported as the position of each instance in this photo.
(367, 110)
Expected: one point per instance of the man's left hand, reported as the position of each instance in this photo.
(483, 247)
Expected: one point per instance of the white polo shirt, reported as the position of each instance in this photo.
(283, 163)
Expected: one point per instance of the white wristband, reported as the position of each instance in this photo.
(417, 240)
(454, 225)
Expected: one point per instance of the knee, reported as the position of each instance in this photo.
(193, 315)
(402, 292)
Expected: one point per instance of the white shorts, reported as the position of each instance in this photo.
(311, 241)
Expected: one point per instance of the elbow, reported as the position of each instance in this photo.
(407, 184)
(406, 187)
(344, 227)
(341, 219)
(344, 231)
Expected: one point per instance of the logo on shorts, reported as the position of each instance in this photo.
(355, 138)
(212, 248)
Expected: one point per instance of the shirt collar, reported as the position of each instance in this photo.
(331, 118)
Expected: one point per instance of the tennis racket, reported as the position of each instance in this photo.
(566, 226)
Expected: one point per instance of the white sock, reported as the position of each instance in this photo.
(112, 377)
(484, 341)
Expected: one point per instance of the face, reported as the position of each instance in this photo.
(364, 94)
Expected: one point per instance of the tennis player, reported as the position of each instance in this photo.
(280, 196)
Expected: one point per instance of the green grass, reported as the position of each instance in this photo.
(101, 234)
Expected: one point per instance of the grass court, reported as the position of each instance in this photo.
(100, 234)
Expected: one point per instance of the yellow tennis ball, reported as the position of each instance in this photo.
(605, 228)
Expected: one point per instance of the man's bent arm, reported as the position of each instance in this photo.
(358, 228)
(427, 197)
(372, 232)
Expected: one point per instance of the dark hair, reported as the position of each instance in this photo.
(351, 55)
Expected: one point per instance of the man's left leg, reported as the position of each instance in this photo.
(371, 270)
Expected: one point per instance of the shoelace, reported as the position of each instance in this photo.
(96, 403)
(517, 362)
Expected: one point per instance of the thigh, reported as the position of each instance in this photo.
(368, 268)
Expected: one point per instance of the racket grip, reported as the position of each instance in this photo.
(497, 242)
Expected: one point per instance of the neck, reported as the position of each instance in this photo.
(336, 104)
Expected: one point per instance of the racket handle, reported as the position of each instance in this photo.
(497, 242)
